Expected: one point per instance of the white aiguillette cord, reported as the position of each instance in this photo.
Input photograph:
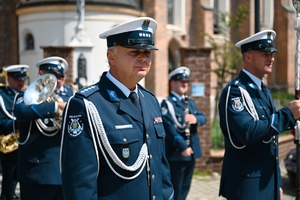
(94, 116)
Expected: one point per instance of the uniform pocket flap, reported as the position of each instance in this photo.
(36, 160)
(123, 136)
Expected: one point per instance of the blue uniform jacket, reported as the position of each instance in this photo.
(6, 123)
(251, 165)
(39, 156)
(124, 126)
(175, 138)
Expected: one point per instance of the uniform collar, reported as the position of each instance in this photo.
(61, 89)
(122, 87)
(256, 80)
(176, 95)
(14, 91)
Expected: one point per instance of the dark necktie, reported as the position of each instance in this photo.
(133, 97)
(265, 90)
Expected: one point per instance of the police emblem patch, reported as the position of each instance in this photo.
(125, 151)
(237, 104)
(46, 121)
(75, 125)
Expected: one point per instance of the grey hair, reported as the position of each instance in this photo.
(113, 49)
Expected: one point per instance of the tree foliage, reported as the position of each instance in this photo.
(226, 55)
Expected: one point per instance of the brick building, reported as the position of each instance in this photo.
(32, 29)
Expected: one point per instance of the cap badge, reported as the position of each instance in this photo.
(146, 23)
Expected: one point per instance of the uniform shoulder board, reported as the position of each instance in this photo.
(88, 91)
(142, 88)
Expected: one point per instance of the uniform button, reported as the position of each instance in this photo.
(147, 136)
(274, 137)
(124, 140)
(276, 158)
(163, 134)
(150, 157)
(153, 177)
(38, 161)
(48, 113)
(248, 175)
(263, 116)
(275, 143)
(289, 128)
(154, 198)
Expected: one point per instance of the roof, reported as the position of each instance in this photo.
(124, 3)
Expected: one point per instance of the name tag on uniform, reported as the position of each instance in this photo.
(123, 126)
(157, 120)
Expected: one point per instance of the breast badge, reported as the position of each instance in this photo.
(75, 125)
(125, 151)
(237, 104)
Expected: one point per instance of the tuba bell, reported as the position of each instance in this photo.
(42, 90)
(8, 142)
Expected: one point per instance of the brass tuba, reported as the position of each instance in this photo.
(8, 142)
(42, 90)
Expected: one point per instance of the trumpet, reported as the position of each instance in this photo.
(42, 90)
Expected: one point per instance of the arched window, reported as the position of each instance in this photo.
(29, 42)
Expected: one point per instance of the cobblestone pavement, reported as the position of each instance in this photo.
(207, 188)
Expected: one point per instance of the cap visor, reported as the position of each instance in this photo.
(140, 46)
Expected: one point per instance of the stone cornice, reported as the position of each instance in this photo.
(72, 8)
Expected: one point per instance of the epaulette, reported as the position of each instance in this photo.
(88, 91)
(141, 87)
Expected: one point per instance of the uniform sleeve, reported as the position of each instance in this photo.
(167, 186)
(26, 113)
(242, 125)
(171, 133)
(201, 119)
(5, 123)
(78, 159)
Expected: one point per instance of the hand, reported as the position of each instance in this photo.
(61, 105)
(294, 106)
(189, 151)
(190, 118)
(281, 192)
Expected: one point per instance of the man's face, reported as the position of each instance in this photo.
(59, 77)
(16, 84)
(261, 62)
(179, 86)
(129, 66)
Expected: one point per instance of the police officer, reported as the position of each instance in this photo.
(113, 136)
(251, 124)
(38, 165)
(16, 76)
(181, 117)
(49, 65)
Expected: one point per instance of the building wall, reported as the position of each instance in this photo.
(198, 61)
(55, 26)
(8, 33)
